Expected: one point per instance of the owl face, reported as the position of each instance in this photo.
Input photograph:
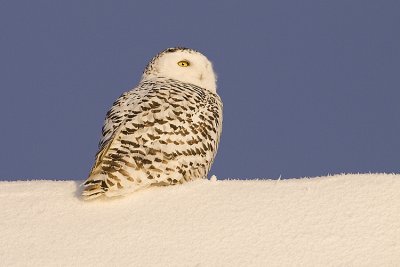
(183, 64)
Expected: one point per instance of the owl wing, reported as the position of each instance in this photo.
(111, 127)
(114, 118)
(127, 108)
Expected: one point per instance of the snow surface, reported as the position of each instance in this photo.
(342, 220)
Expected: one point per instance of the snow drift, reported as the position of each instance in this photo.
(342, 220)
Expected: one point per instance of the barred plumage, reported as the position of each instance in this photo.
(163, 132)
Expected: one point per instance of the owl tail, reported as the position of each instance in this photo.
(95, 187)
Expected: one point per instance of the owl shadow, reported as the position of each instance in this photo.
(78, 189)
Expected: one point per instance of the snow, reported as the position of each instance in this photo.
(341, 220)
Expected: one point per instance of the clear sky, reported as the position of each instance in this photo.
(309, 87)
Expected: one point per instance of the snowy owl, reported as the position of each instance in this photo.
(163, 132)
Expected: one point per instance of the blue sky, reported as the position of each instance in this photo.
(309, 87)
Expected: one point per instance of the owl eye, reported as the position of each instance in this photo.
(183, 63)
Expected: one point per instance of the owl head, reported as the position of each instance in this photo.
(182, 64)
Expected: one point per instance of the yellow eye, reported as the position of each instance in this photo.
(183, 63)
